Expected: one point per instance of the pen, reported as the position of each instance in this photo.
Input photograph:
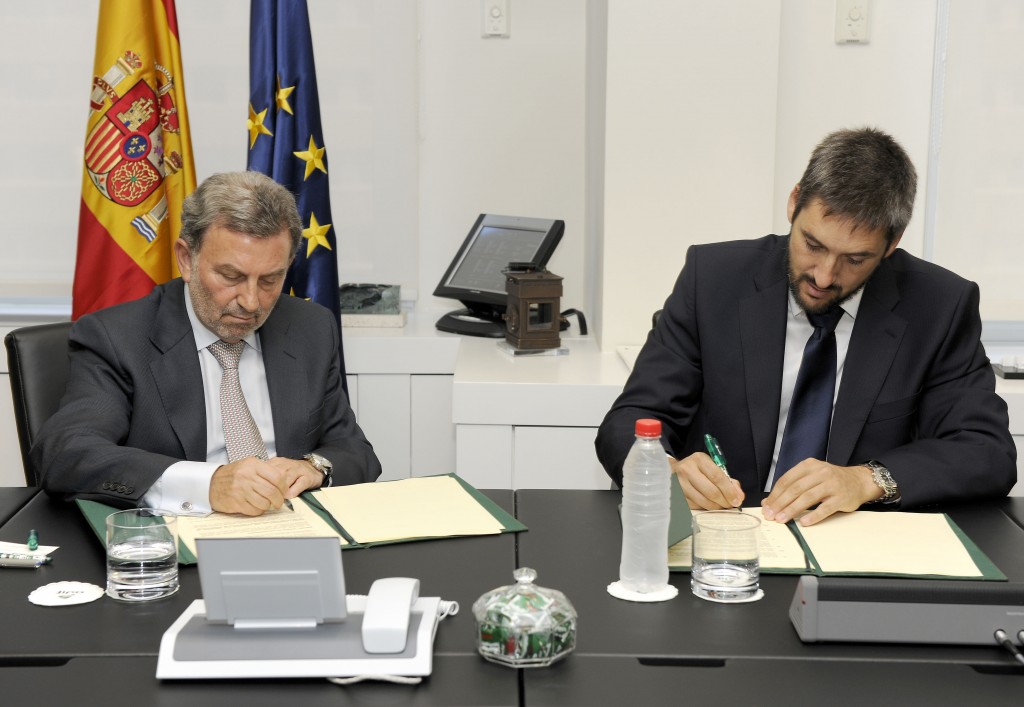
(33, 540)
(9, 559)
(715, 452)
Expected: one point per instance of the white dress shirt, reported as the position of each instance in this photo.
(185, 486)
(798, 331)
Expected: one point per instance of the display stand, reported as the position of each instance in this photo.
(196, 648)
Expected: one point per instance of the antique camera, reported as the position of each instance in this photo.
(531, 317)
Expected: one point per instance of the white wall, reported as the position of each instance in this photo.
(979, 231)
(824, 86)
(502, 128)
(427, 124)
(689, 147)
(647, 125)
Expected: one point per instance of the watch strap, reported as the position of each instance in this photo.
(883, 479)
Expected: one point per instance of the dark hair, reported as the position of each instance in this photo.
(244, 202)
(863, 175)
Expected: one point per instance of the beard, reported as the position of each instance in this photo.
(215, 320)
(818, 307)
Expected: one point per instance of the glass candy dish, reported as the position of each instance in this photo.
(524, 625)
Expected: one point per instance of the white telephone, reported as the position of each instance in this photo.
(386, 618)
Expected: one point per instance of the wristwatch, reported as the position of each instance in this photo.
(323, 465)
(883, 479)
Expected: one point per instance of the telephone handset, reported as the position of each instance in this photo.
(386, 618)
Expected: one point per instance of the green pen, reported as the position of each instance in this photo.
(715, 452)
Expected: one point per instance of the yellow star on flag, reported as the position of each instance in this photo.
(282, 97)
(313, 156)
(291, 293)
(316, 235)
(256, 126)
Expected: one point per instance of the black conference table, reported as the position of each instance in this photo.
(64, 655)
(689, 649)
(679, 651)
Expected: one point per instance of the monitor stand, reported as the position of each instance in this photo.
(471, 323)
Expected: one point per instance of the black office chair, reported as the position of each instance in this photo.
(37, 357)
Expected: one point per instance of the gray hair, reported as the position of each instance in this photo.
(244, 202)
(863, 175)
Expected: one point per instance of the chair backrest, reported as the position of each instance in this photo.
(37, 357)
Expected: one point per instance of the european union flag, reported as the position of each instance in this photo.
(286, 140)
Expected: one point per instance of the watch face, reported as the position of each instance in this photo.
(321, 463)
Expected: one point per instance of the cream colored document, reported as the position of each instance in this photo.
(303, 522)
(902, 543)
(422, 507)
(778, 547)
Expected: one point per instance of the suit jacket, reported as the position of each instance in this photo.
(917, 392)
(134, 404)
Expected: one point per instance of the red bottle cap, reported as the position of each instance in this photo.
(648, 428)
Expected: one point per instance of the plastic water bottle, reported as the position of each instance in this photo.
(646, 476)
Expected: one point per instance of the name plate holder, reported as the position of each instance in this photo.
(276, 608)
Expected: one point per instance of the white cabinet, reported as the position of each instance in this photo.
(1012, 392)
(524, 457)
(556, 458)
(530, 422)
(432, 430)
(384, 411)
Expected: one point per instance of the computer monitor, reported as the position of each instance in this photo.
(476, 275)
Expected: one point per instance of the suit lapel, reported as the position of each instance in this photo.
(284, 382)
(763, 338)
(176, 372)
(876, 338)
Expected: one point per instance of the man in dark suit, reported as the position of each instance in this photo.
(143, 420)
(915, 418)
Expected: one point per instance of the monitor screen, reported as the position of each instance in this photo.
(476, 275)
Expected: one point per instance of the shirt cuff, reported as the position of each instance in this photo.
(184, 488)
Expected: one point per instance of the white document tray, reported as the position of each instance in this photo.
(195, 648)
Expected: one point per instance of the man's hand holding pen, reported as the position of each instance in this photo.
(706, 485)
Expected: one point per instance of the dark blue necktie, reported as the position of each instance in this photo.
(810, 412)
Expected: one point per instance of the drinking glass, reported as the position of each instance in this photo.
(142, 554)
(726, 563)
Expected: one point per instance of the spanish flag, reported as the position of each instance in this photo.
(138, 157)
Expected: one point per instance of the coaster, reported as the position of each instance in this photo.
(620, 592)
(65, 594)
(759, 594)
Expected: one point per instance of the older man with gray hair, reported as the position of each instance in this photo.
(213, 392)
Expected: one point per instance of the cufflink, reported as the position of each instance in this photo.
(186, 506)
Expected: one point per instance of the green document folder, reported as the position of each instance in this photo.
(96, 515)
(987, 569)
